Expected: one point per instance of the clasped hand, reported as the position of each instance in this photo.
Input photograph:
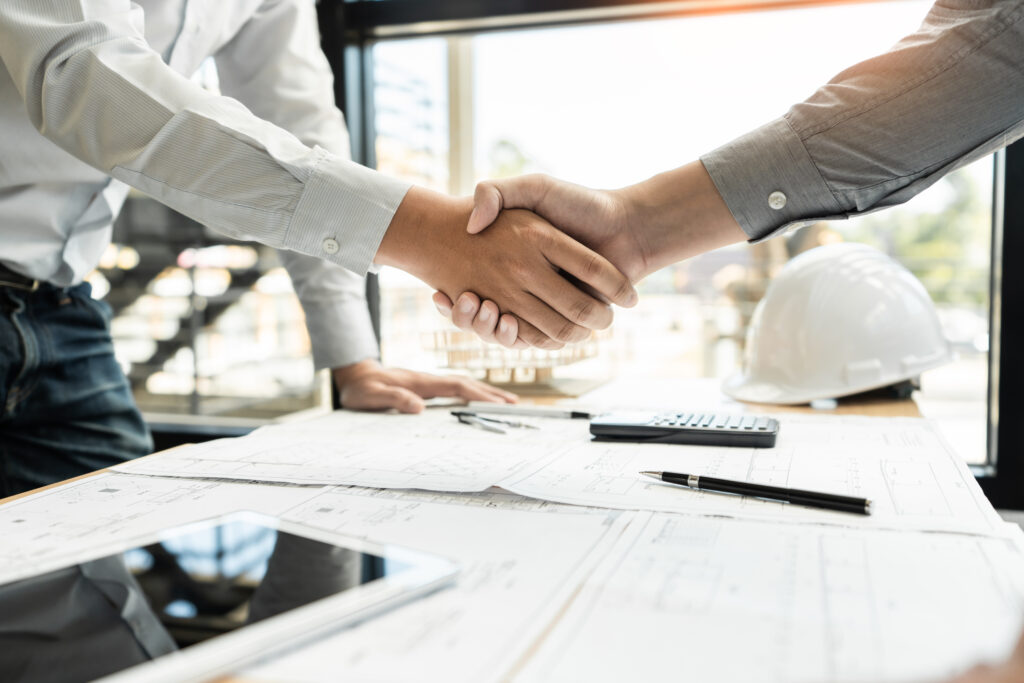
(523, 264)
(598, 219)
(639, 229)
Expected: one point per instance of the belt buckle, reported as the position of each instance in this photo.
(30, 286)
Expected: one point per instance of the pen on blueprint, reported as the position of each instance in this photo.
(827, 501)
(529, 410)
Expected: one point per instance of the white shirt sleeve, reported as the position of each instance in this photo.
(274, 65)
(92, 85)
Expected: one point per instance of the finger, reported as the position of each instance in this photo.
(531, 336)
(535, 310)
(590, 267)
(429, 386)
(508, 331)
(443, 303)
(567, 300)
(466, 308)
(493, 394)
(380, 396)
(487, 204)
(486, 321)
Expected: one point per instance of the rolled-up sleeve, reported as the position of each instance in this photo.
(884, 130)
(93, 86)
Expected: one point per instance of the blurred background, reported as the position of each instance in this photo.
(207, 327)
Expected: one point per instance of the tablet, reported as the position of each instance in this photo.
(203, 599)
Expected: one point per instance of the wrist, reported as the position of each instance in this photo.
(677, 215)
(347, 373)
(415, 239)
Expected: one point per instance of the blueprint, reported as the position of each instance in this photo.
(901, 464)
(544, 586)
(519, 567)
(742, 601)
(432, 451)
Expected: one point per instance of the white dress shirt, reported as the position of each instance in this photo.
(99, 89)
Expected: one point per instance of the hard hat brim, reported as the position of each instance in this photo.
(742, 388)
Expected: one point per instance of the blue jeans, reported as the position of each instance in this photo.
(66, 407)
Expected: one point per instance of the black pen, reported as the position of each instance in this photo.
(814, 499)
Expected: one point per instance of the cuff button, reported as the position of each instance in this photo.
(776, 200)
(331, 246)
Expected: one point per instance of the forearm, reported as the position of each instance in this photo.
(678, 214)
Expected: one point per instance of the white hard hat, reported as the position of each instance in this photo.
(838, 320)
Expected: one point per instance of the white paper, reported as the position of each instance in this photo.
(84, 519)
(901, 464)
(519, 568)
(700, 599)
(432, 451)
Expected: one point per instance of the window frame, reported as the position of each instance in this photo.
(350, 28)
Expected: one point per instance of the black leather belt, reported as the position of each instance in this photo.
(8, 278)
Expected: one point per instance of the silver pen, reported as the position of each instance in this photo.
(529, 410)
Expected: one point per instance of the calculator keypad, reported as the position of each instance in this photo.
(713, 421)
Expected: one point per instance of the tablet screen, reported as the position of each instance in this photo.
(99, 617)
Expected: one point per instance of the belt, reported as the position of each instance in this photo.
(8, 278)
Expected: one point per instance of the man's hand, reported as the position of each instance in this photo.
(368, 386)
(599, 219)
(596, 218)
(521, 264)
(639, 229)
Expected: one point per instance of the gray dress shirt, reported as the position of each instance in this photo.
(95, 97)
(884, 130)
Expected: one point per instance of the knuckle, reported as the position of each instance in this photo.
(584, 311)
(593, 265)
(534, 338)
(624, 289)
(567, 332)
(521, 271)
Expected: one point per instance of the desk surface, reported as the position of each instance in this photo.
(752, 565)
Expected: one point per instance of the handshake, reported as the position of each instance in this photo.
(534, 261)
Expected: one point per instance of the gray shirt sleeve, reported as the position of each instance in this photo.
(884, 130)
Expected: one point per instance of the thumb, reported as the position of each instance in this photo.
(487, 203)
(522, 192)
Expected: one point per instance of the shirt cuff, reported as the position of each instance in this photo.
(340, 332)
(769, 181)
(344, 212)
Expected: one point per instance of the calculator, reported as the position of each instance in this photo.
(702, 429)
